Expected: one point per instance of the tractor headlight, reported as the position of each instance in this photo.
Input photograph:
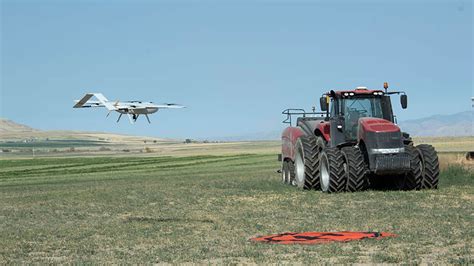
(387, 151)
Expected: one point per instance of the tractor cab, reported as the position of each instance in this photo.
(346, 108)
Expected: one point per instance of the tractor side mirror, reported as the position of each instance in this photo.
(404, 101)
(323, 104)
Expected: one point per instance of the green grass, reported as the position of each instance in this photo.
(203, 209)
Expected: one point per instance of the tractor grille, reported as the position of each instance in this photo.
(392, 163)
(388, 140)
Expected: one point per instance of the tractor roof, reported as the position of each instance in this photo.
(358, 90)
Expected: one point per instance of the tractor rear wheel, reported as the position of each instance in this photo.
(430, 166)
(355, 169)
(331, 170)
(412, 179)
(306, 162)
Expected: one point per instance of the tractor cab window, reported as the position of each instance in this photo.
(357, 107)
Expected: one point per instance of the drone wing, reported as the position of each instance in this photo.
(82, 102)
(102, 102)
(169, 106)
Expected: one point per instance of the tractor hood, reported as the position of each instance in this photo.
(380, 136)
(376, 125)
(383, 142)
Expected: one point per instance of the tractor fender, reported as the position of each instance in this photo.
(323, 130)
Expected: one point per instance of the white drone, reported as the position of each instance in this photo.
(131, 108)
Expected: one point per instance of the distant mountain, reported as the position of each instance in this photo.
(456, 125)
(459, 124)
(8, 126)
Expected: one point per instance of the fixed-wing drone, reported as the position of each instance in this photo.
(133, 109)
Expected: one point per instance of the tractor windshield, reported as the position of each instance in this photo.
(357, 107)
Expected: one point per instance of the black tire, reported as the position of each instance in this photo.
(285, 172)
(331, 170)
(355, 170)
(306, 162)
(412, 179)
(430, 166)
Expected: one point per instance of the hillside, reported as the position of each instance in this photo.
(456, 125)
(12, 131)
(8, 126)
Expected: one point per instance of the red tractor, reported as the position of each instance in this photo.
(354, 144)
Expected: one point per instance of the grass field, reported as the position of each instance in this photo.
(203, 209)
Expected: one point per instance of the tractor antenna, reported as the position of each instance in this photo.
(385, 86)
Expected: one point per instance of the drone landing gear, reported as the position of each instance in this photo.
(133, 118)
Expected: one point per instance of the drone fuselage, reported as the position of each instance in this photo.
(137, 110)
(133, 109)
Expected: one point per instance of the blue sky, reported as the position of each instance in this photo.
(235, 64)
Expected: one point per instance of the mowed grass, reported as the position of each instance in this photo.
(203, 209)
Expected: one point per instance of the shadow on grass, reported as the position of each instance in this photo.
(145, 219)
(454, 175)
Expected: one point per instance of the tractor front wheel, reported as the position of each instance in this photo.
(331, 170)
(306, 162)
(412, 179)
(430, 166)
(355, 169)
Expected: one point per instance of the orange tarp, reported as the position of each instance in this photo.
(319, 237)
